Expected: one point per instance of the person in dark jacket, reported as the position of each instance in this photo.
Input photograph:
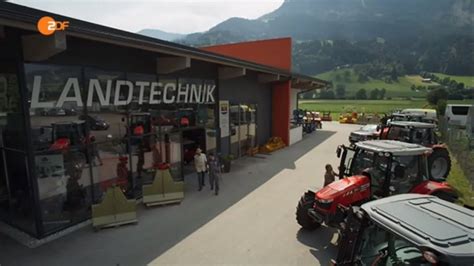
(214, 172)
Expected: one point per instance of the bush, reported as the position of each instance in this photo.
(361, 94)
(434, 96)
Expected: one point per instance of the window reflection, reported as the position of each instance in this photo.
(60, 142)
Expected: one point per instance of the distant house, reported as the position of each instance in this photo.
(426, 80)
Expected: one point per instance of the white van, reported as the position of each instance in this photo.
(457, 113)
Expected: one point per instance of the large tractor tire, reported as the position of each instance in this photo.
(439, 164)
(302, 217)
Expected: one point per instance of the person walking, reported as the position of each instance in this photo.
(214, 173)
(200, 163)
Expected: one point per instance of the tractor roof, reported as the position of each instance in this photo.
(427, 222)
(394, 147)
(413, 124)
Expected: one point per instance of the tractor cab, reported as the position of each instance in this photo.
(409, 229)
(413, 117)
(412, 132)
(392, 167)
(68, 134)
(439, 161)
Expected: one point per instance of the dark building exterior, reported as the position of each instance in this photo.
(92, 106)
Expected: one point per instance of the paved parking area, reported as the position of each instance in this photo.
(252, 221)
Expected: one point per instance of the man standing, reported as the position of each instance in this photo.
(214, 173)
(200, 162)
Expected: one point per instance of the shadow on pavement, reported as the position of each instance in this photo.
(160, 228)
(319, 243)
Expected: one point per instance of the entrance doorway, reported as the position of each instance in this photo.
(192, 139)
(243, 128)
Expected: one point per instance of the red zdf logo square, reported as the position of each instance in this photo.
(47, 25)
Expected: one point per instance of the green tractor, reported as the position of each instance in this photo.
(407, 229)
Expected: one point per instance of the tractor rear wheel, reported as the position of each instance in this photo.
(302, 217)
(439, 163)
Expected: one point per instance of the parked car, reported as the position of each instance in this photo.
(95, 122)
(366, 132)
(56, 111)
(70, 111)
(457, 114)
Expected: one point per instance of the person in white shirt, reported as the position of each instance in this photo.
(200, 163)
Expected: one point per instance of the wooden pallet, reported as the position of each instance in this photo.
(115, 225)
(160, 203)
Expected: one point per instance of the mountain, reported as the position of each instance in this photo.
(349, 20)
(429, 35)
(163, 35)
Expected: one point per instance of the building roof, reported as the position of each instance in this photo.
(394, 147)
(428, 222)
(18, 16)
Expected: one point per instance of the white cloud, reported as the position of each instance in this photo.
(181, 16)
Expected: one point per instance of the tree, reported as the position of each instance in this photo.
(382, 93)
(337, 77)
(434, 96)
(441, 106)
(413, 87)
(327, 94)
(341, 91)
(460, 86)
(361, 94)
(374, 94)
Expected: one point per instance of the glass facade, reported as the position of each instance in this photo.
(92, 128)
(243, 128)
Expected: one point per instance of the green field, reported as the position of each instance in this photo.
(366, 106)
(467, 80)
(401, 89)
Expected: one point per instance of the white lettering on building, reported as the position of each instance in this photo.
(35, 95)
(123, 93)
(154, 91)
(74, 83)
(169, 90)
(94, 85)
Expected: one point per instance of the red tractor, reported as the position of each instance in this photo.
(439, 162)
(370, 170)
(71, 137)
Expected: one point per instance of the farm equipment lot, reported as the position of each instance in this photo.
(251, 222)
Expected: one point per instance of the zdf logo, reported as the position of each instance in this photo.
(47, 25)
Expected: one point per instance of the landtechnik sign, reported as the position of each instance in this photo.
(123, 92)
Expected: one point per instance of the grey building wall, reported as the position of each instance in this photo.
(246, 89)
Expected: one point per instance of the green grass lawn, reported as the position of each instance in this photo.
(458, 180)
(401, 89)
(467, 80)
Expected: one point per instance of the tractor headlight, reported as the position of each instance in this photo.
(326, 201)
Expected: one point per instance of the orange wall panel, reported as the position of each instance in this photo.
(274, 52)
(281, 111)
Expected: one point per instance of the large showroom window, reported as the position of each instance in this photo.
(60, 144)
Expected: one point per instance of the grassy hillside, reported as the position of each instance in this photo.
(402, 88)
(467, 80)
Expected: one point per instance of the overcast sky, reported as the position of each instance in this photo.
(179, 16)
